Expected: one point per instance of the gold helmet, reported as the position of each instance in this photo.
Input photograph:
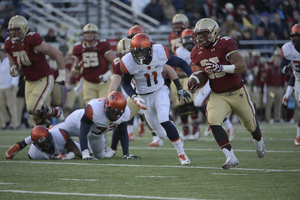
(90, 28)
(206, 32)
(20, 23)
(179, 23)
(123, 46)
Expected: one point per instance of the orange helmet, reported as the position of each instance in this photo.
(187, 39)
(141, 48)
(42, 139)
(115, 105)
(295, 36)
(135, 30)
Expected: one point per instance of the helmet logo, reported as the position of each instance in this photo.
(42, 139)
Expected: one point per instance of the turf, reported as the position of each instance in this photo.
(159, 175)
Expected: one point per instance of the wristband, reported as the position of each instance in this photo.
(177, 83)
(229, 68)
(133, 96)
(62, 72)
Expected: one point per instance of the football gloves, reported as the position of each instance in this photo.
(67, 156)
(286, 69)
(139, 101)
(287, 95)
(61, 79)
(14, 71)
(86, 155)
(181, 93)
(104, 77)
(130, 156)
(211, 66)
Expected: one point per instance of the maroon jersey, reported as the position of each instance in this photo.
(174, 41)
(259, 75)
(116, 66)
(219, 82)
(94, 63)
(33, 64)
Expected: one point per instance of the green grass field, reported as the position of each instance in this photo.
(159, 175)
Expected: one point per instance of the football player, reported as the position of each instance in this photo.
(27, 50)
(47, 144)
(94, 56)
(288, 61)
(200, 97)
(179, 23)
(145, 64)
(92, 123)
(220, 59)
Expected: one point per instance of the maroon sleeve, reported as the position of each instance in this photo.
(116, 66)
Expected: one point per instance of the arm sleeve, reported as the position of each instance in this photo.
(179, 62)
(126, 80)
(292, 80)
(283, 63)
(85, 125)
(122, 129)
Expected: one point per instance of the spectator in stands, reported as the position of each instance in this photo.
(291, 7)
(275, 88)
(296, 17)
(230, 24)
(262, 6)
(265, 22)
(8, 89)
(281, 29)
(2, 32)
(168, 9)
(246, 35)
(11, 11)
(243, 18)
(194, 18)
(154, 10)
(210, 8)
(229, 9)
(138, 7)
(289, 24)
(50, 37)
(280, 9)
(178, 5)
(254, 15)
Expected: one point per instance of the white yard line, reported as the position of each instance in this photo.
(96, 195)
(149, 166)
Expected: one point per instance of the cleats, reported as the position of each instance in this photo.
(184, 160)
(297, 141)
(110, 152)
(231, 160)
(156, 141)
(141, 129)
(260, 147)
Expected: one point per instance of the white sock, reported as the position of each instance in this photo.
(178, 146)
(227, 124)
(130, 128)
(298, 131)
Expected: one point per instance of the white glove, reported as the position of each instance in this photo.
(211, 66)
(67, 156)
(104, 77)
(14, 71)
(86, 155)
(139, 101)
(287, 95)
(61, 79)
